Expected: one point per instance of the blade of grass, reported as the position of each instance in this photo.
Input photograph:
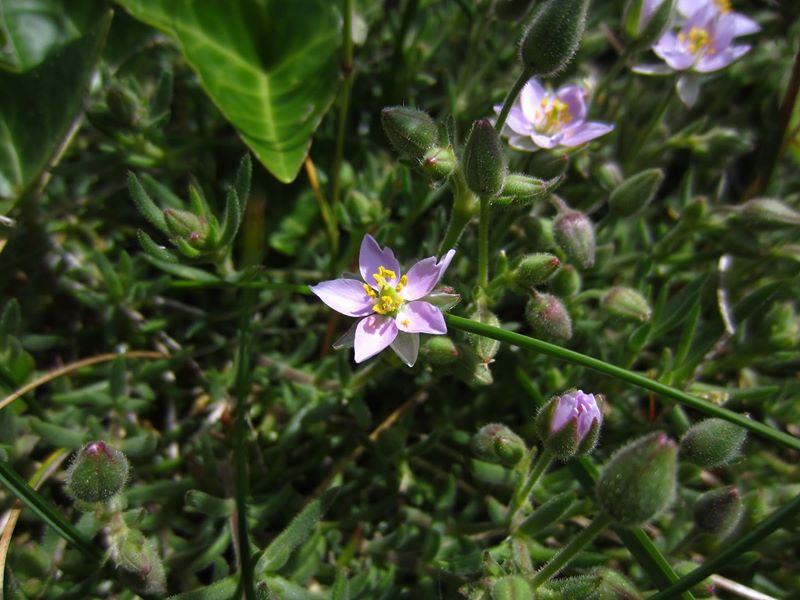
(529, 343)
(42, 509)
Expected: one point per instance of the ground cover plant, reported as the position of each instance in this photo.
(362, 299)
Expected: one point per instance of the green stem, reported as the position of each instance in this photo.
(657, 115)
(777, 519)
(512, 95)
(529, 343)
(568, 552)
(463, 209)
(483, 245)
(344, 100)
(521, 494)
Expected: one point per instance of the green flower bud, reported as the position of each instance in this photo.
(539, 233)
(614, 586)
(484, 160)
(125, 106)
(439, 350)
(361, 209)
(485, 348)
(535, 269)
(411, 132)
(609, 175)
(522, 190)
(187, 226)
(97, 473)
(712, 443)
(439, 162)
(717, 512)
(140, 565)
(646, 28)
(574, 234)
(704, 589)
(781, 326)
(512, 587)
(638, 482)
(469, 368)
(511, 10)
(553, 36)
(635, 192)
(548, 317)
(498, 444)
(768, 213)
(566, 282)
(626, 303)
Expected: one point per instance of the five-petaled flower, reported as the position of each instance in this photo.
(541, 118)
(394, 308)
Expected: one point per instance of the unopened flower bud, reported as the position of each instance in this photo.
(717, 512)
(486, 348)
(497, 443)
(484, 160)
(522, 190)
(439, 350)
(614, 586)
(125, 106)
(140, 565)
(569, 424)
(412, 132)
(548, 317)
(535, 269)
(574, 234)
(712, 443)
(97, 473)
(439, 162)
(626, 303)
(512, 587)
(646, 20)
(704, 589)
(187, 226)
(638, 482)
(769, 213)
(567, 281)
(553, 36)
(635, 192)
(781, 326)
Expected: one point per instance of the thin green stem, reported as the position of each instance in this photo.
(464, 202)
(544, 460)
(344, 100)
(656, 117)
(732, 550)
(483, 245)
(568, 552)
(509, 101)
(529, 343)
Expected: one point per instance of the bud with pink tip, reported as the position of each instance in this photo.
(569, 424)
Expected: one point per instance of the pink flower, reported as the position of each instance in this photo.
(579, 407)
(541, 118)
(569, 424)
(393, 308)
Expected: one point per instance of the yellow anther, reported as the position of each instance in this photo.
(403, 283)
(724, 6)
(369, 291)
(698, 40)
(405, 322)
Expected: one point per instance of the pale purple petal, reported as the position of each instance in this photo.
(546, 141)
(719, 61)
(406, 346)
(686, 8)
(371, 257)
(649, 7)
(688, 88)
(421, 317)
(525, 143)
(572, 96)
(744, 25)
(424, 276)
(722, 31)
(579, 407)
(346, 296)
(583, 132)
(530, 99)
(674, 54)
(373, 334)
(564, 412)
(517, 122)
(658, 69)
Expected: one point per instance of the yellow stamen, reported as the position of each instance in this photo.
(403, 283)
(556, 114)
(724, 6)
(405, 322)
(698, 40)
(369, 291)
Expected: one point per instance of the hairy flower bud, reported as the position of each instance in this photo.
(635, 192)
(512, 587)
(638, 482)
(412, 132)
(486, 348)
(97, 473)
(535, 269)
(717, 512)
(569, 424)
(484, 161)
(548, 317)
(626, 303)
(439, 350)
(497, 443)
(439, 162)
(553, 36)
(567, 281)
(140, 565)
(712, 443)
(769, 213)
(187, 226)
(522, 190)
(574, 234)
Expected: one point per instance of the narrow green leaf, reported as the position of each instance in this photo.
(163, 196)
(209, 505)
(270, 66)
(233, 214)
(145, 205)
(278, 552)
(341, 586)
(225, 589)
(10, 319)
(529, 343)
(109, 274)
(154, 250)
(185, 272)
(42, 509)
(60, 437)
(242, 185)
(547, 514)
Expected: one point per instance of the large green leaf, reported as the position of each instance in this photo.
(38, 108)
(269, 65)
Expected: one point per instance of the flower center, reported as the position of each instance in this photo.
(387, 300)
(554, 114)
(724, 6)
(698, 40)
